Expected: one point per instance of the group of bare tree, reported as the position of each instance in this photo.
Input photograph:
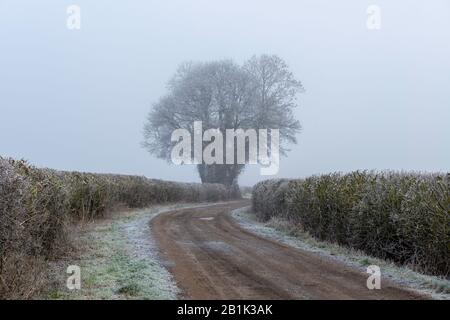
(260, 94)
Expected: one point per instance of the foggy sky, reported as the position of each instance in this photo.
(77, 99)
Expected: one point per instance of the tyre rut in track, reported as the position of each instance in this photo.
(212, 257)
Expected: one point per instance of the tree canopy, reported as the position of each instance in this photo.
(260, 94)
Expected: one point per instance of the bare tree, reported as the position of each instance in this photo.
(261, 94)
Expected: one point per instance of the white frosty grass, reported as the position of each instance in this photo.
(120, 259)
(282, 231)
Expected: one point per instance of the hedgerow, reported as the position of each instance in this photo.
(401, 217)
(36, 205)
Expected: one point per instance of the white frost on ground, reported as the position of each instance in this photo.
(281, 231)
(119, 259)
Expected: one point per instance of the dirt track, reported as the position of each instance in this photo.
(211, 257)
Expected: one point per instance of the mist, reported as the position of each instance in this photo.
(78, 99)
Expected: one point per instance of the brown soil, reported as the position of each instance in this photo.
(211, 257)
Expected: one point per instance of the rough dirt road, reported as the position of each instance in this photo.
(211, 257)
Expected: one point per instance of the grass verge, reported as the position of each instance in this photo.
(118, 260)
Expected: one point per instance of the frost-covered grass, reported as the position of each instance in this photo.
(283, 231)
(118, 260)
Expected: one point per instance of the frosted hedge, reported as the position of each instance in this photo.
(402, 217)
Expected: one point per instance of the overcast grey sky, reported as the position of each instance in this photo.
(77, 99)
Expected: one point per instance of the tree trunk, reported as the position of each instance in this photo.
(226, 174)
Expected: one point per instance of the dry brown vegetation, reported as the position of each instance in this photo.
(36, 205)
(401, 217)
